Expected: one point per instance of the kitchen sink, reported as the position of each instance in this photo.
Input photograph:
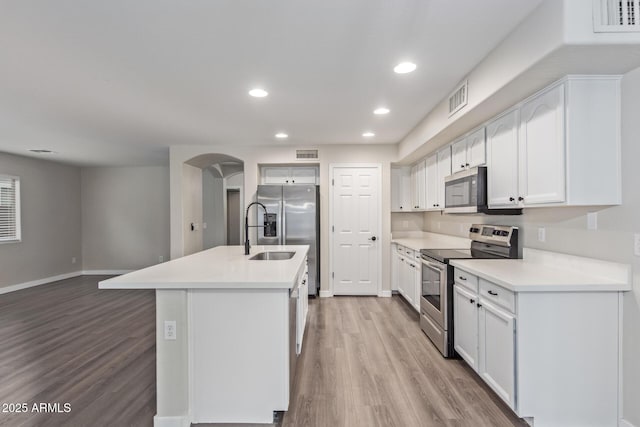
(272, 256)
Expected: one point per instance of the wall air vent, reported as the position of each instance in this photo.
(306, 154)
(616, 16)
(458, 99)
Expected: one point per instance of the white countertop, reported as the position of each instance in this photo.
(432, 241)
(223, 267)
(550, 272)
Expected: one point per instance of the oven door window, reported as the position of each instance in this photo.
(432, 285)
(461, 192)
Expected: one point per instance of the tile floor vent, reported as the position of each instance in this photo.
(458, 99)
(616, 16)
(306, 154)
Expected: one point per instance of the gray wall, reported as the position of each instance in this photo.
(213, 209)
(50, 201)
(125, 217)
(566, 231)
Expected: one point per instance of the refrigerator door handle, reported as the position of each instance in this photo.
(283, 207)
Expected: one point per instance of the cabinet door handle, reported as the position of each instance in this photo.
(511, 199)
(462, 166)
(462, 278)
(471, 300)
(479, 305)
(520, 198)
(495, 294)
(467, 164)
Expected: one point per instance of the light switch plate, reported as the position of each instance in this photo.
(542, 234)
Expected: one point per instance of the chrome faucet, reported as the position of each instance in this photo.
(247, 246)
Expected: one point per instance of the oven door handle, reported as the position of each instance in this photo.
(439, 267)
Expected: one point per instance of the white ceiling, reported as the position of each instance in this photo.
(117, 82)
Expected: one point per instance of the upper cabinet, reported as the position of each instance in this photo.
(401, 189)
(438, 166)
(418, 182)
(502, 160)
(289, 175)
(469, 151)
(560, 147)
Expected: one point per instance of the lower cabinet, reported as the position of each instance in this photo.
(465, 319)
(406, 274)
(496, 352)
(484, 334)
(552, 356)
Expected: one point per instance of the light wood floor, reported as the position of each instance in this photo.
(365, 362)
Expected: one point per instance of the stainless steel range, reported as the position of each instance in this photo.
(436, 302)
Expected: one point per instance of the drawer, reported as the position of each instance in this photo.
(498, 295)
(465, 279)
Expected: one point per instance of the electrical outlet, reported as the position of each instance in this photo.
(636, 244)
(160, 258)
(542, 234)
(73, 260)
(592, 220)
(170, 330)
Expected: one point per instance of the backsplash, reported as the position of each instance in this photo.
(407, 221)
(565, 230)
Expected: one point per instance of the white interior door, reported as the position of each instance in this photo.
(355, 220)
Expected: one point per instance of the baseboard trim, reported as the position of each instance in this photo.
(385, 294)
(45, 280)
(182, 421)
(326, 294)
(625, 423)
(105, 272)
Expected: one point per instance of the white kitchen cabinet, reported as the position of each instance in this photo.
(418, 182)
(465, 319)
(438, 167)
(303, 307)
(444, 170)
(409, 273)
(469, 151)
(541, 157)
(279, 175)
(432, 195)
(524, 344)
(560, 147)
(401, 189)
(496, 351)
(502, 160)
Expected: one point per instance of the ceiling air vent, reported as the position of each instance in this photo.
(306, 154)
(458, 99)
(616, 16)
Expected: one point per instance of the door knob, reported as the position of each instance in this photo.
(374, 238)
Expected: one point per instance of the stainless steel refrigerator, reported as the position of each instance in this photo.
(297, 209)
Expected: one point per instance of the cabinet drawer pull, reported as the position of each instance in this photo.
(495, 294)
(479, 305)
(462, 278)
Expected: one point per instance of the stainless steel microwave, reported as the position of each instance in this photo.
(466, 192)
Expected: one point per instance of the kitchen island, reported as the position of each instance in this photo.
(228, 330)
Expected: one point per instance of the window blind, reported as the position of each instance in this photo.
(9, 208)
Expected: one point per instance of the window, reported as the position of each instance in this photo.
(9, 209)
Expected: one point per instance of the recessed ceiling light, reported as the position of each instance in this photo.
(281, 135)
(41, 151)
(258, 93)
(404, 67)
(381, 110)
(368, 134)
